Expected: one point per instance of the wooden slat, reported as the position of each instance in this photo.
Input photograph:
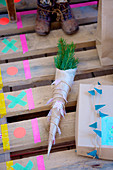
(87, 14)
(42, 94)
(64, 160)
(17, 144)
(85, 37)
(44, 68)
(28, 4)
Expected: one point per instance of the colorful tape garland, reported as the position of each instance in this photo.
(2, 105)
(5, 137)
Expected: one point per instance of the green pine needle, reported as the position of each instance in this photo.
(65, 58)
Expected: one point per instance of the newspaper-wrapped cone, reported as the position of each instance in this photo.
(62, 85)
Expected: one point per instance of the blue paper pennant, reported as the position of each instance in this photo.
(98, 90)
(92, 153)
(102, 114)
(98, 132)
(96, 156)
(99, 106)
(92, 92)
(99, 83)
(94, 125)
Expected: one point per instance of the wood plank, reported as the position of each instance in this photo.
(83, 15)
(44, 69)
(42, 94)
(85, 37)
(28, 4)
(17, 144)
(64, 160)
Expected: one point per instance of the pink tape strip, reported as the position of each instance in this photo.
(40, 162)
(28, 12)
(83, 4)
(24, 43)
(35, 129)
(30, 99)
(27, 69)
(19, 21)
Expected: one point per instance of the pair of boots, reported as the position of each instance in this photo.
(63, 12)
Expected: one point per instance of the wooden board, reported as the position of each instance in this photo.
(83, 15)
(44, 68)
(42, 94)
(28, 4)
(64, 160)
(85, 37)
(17, 144)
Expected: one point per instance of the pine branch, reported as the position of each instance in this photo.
(65, 58)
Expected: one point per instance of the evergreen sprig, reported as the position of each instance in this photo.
(65, 58)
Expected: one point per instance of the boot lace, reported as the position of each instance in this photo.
(61, 14)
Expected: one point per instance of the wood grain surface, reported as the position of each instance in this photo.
(85, 37)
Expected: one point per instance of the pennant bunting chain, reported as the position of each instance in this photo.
(94, 125)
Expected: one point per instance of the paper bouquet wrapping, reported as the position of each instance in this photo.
(66, 66)
(62, 86)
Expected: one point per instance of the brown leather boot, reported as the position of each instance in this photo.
(68, 22)
(43, 19)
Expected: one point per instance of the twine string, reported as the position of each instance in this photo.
(93, 103)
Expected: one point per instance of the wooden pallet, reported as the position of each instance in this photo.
(40, 57)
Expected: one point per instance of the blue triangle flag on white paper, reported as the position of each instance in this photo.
(99, 106)
(94, 125)
(92, 92)
(92, 153)
(98, 132)
(99, 83)
(102, 114)
(98, 90)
